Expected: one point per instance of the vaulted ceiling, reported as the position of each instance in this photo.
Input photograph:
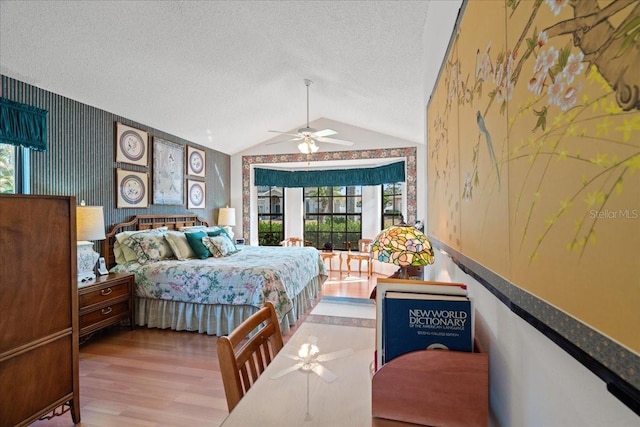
(224, 73)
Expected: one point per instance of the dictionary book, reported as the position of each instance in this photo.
(421, 321)
(385, 285)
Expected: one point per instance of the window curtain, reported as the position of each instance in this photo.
(22, 124)
(394, 172)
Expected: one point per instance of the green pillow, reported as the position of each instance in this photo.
(195, 241)
(217, 233)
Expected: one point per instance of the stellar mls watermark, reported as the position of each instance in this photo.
(614, 214)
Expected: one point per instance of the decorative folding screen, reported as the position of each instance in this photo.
(534, 153)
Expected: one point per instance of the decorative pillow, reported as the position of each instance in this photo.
(204, 228)
(219, 246)
(127, 253)
(218, 232)
(118, 254)
(179, 245)
(149, 246)
(195, 241)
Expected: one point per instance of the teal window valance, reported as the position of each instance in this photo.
(394, 172)
(22, 124)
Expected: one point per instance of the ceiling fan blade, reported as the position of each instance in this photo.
(286, 371)
(324, 373)
(285, 133)
(335, 141)
(335, 355)
(291, 356)
(324, 132)
(284, 140)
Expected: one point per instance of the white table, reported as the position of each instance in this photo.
(343, 402)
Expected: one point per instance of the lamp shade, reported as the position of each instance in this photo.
(90, 223)
(404, 246)
(227, 216)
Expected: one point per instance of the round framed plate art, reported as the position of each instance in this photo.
(131, 145)
(132, 189)
(196, 194)
(196, 164)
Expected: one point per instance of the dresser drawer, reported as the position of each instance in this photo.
(105, 314)
(105, 294)
(107, 301)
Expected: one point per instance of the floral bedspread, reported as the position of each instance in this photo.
(251, 276)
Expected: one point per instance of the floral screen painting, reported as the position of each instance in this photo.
(168, 173)
(443, 163)
(538, 123)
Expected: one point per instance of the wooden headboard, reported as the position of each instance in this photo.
(147, 222)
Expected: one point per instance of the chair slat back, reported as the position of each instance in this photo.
(364, 245)
(364, 254)
(247, 351)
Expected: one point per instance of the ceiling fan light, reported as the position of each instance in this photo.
(308, 146)
(304, 148)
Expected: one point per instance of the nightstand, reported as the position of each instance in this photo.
(106, 301)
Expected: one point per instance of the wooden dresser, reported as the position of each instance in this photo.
(38, 309)
(106, 301)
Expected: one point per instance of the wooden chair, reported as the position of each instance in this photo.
(363, 254)
(243, 360)
(292, 241)
(295, 241)
(330, 256)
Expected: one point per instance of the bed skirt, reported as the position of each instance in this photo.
(219, 319)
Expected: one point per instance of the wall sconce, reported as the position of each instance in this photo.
(227, 219)
(89, 226)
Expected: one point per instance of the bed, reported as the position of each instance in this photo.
(211, 295)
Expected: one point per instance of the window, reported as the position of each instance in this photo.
(333, 215)
(14, 171)
(270, 215)
(391, 204)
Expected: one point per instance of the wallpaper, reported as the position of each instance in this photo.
(534, 149)
(81, 157)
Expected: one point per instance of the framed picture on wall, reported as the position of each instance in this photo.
(168, 173)
(195, 194)
(131, 145)
(196, 162)
(132, 189)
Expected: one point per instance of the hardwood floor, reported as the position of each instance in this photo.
(153, 377)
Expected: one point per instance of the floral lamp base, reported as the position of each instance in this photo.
(229, 231)
(87, 259)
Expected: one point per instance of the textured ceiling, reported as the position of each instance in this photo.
(221, 74)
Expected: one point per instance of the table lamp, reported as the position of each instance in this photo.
(403, 245)
(89, 226)
(227, 219)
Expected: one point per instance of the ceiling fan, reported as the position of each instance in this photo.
(309, 136)
(309, 360)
